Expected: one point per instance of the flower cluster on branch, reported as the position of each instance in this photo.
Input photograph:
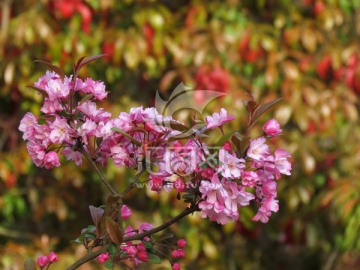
(216, 180)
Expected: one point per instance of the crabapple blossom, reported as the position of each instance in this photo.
(181, 243)
(42, 261)
(231, 166)
(258, 150)
(216, 181)
(272, 128)
(218, 119)
(125, 212)
(103, 257)
(53, 257)
(221, 199)
(51, 160)
(178, 253)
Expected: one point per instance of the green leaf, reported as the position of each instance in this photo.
(225, 138)
(136, 142)
(109, 264)
(86, 98)
(90, 229)
(113, 249)
(154, 259)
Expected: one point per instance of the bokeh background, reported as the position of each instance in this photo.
(306, 51)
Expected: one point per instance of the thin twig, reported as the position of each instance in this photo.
(102, 177)
(132, 184)
(88, 257)
(184, 213)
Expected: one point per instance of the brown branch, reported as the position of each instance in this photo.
(184, 213)
(102, 177)
(90, 256)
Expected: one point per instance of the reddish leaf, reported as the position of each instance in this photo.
(250, 106)
(52, 67)
(113, 230)
(96, 214)
(41, 91)
(260, 110)
(83, 62)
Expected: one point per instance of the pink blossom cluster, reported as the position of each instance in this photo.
(43, 261)
(219, 180)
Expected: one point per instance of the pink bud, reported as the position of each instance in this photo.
(179, 185)
(272, 128)
(227, 146)
(181, 243)
(176, 266)
(207, 173)
(53, 257)
(103, 257)
(125, 212)
(42, 261)
(142, 256)
(179, 253)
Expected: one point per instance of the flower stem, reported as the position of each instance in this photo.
(102, 177)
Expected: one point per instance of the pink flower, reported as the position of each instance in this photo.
(141, 247)
(50, 107)
(130, 250)
(207, 173)
(178, 253)
(28, 124)
(119, 155)
(221, 200)
(129, 231)
(179, 185)
(231, 166)
(249, 178)
(103, 257)
(86, 130)
(96, 88)
(176, 266)
(282, 163)
(181, 243)
(218, 119)
(258, 150)
(70, 154)
(60, 131)
(42, 261)
(267, 196)
(53, 257)
(156, 182)
(142, 256)
(51, 160)
(125, 212)
(145, 227)
(90, 110)
(272, 128)
(36, 152)
(57, 89)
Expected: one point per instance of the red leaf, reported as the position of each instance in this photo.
(113, 230)
(52, 67)
(96, 214)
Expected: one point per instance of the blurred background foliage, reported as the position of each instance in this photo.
(306, 51)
